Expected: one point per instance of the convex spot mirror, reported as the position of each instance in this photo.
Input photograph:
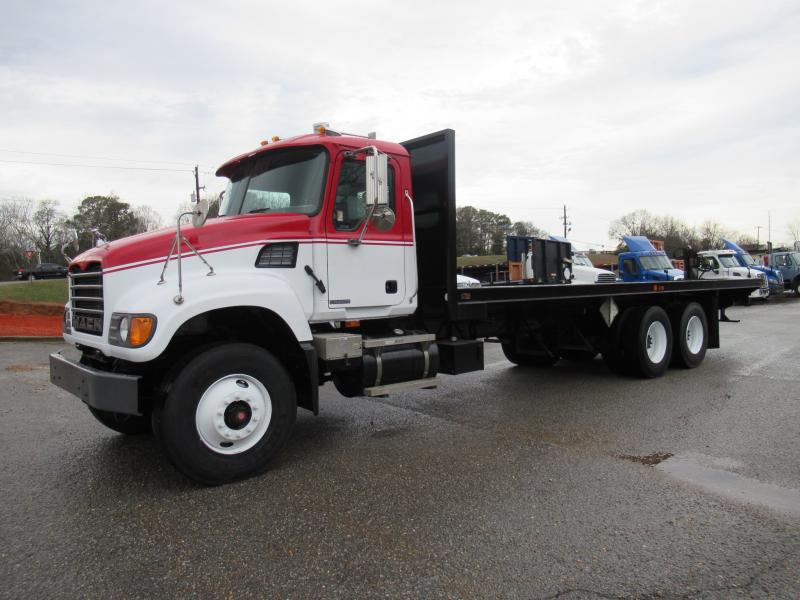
(200, 213)
(382, 218)
(377, 179)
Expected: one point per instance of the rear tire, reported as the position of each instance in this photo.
(226, 414)
(127, 424)
(541, 360)
(689, 335)
(796, 286)
(647, 340)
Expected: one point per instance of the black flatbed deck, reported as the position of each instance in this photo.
(512, 293)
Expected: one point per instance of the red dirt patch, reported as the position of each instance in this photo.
(51, 309)
(21, 368)
(33, 325)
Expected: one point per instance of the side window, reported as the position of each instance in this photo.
(629, 266)
(350, 207)
(712, 262)
(780, 261)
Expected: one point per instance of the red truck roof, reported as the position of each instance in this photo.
(314, 139)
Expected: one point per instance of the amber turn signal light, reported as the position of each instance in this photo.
(141, 330)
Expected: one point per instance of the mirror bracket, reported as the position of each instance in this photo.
(198, 215)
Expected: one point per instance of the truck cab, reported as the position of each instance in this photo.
(643, 262)
(788, 264)
(723, 264)
(774, 276)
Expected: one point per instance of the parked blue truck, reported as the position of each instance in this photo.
(774, 276)
(643, 262)
(788, 263)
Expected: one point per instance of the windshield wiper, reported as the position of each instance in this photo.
(258, 210)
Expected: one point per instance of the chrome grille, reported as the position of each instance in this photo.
(86, 298)
(606, 278)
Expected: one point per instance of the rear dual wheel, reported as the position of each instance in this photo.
(647, 342)
(690, 332)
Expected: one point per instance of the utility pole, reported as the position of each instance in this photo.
(769, 232)
(567, 224)
(197, 187)
(758, 235)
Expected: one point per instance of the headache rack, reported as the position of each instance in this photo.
(86, 298)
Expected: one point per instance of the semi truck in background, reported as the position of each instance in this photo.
(643, 262)
(723, 264)
(743, 258)
(788, 264)
(334, 260)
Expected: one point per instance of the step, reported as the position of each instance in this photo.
(403, 386)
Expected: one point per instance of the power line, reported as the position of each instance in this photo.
(165, 162)
(51, 164)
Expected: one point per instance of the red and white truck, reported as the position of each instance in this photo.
(333, 259)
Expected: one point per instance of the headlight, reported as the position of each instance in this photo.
(131, 331)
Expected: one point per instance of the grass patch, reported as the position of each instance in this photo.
(53, 290)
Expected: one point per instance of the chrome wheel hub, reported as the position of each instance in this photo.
(233, 414)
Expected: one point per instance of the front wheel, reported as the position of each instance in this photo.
(127, 424)
(796, 286)
(227, 413)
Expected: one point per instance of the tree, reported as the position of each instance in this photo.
(147, 218)
(481, 232)
(793, 229)
(112, 218)
(48, 229)
(711, 234)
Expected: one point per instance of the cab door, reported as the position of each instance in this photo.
(366, 274)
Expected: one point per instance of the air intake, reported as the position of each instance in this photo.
(281, 255)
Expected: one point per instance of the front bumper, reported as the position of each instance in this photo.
(113, 392)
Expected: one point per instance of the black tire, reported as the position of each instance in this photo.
(796, 286)
(541, 360)
(578, 355)
(612, 347)
(648, 351)
(175, 420)
(688, 322)
(127, 424)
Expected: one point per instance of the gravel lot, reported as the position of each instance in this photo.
(509, 483)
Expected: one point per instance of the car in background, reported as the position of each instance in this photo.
(42, 271)
(462, 281)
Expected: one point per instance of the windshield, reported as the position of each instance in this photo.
(580, 259)
(795, 257)
(728, 260)
(656, 263)
(282, 181)
(748, 260)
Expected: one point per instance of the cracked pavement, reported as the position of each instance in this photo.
(506, 483)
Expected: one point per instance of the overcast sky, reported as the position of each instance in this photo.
(687, 108)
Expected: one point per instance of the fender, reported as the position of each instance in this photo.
(139, 293)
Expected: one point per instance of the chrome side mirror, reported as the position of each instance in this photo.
(377, 179)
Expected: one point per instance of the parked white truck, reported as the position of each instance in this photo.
(333, 260)
(723, 264)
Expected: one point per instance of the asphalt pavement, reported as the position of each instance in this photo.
(568, 482)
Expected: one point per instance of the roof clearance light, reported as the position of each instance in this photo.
(264, 142)
(275, 138)
(321, 128)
